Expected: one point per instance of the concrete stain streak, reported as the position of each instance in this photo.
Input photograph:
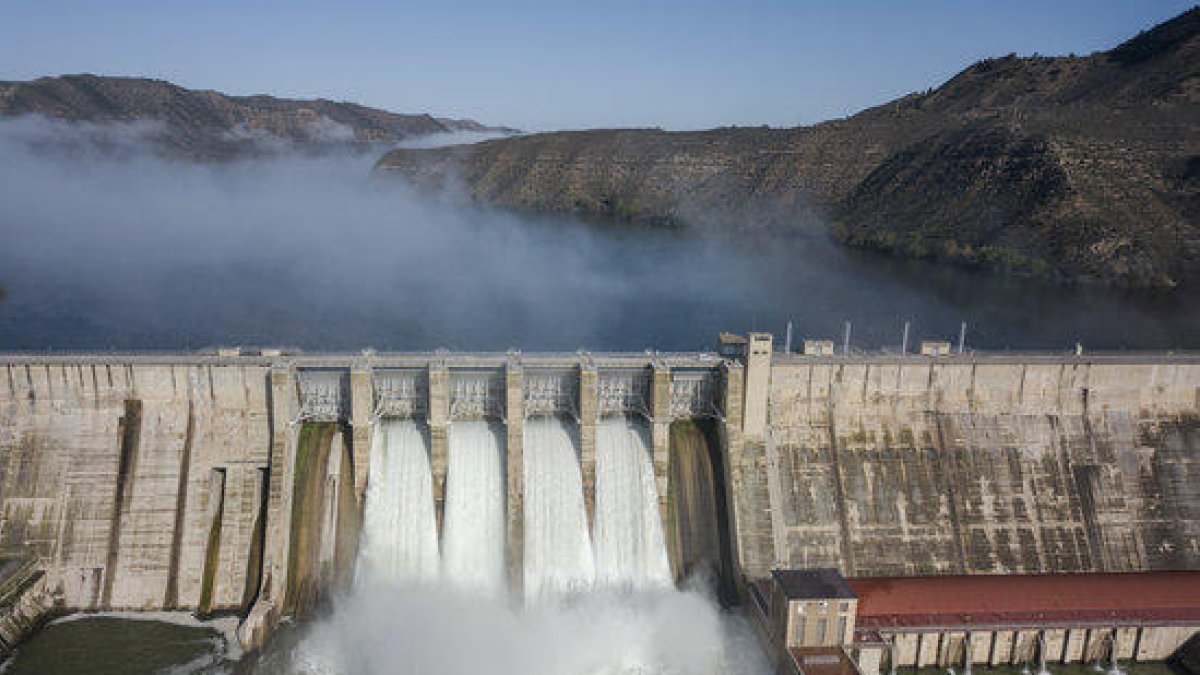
(131, 427)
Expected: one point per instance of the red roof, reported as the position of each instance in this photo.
(1034, 600)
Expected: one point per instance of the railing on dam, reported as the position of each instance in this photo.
(552, 391)
(369, 359)
(696, 392)
(673, 360)
(401, 392)
(623, 390)
(477, 394)
(324, 395)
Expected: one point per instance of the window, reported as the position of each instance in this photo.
(844, 607)
(820, 637)
(841, 634)
(798, 637)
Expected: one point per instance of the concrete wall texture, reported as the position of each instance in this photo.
(936, 466)
(139, 483)
(112, 474)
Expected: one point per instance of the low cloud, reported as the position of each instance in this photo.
(105, 243)
(451, 138)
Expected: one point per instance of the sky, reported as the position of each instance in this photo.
(540, 65)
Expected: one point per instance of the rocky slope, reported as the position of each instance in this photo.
(211, 125)
(1071, 167)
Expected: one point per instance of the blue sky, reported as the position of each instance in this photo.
(551, 65)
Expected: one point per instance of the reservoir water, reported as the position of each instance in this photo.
(315, 253)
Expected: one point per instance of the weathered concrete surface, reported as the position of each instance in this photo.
(588, 417)
(937, 466)
(283, 404)
(515, 479)
(106, 476)
(660, 438)
(439, 436)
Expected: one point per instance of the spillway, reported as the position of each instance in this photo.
(628, 535)
(399, 524)
(473, 539)
(558, 550)
(698, 513)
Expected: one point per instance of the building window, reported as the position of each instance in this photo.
(820, 637)
(841, 634)
(798, 638)
(844, 607)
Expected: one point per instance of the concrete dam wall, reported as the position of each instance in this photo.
(238, 482)
(136, 486)
(992, 466)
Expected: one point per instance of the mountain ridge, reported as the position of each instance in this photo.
(1072, 167)
(207, 124)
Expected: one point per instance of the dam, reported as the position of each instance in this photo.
(257, 482)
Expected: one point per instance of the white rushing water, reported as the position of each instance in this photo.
(399, 524)
(558, 551)
(628, 535)
(630, 622)
(473, 537)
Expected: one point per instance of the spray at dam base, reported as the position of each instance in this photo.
(390, 629)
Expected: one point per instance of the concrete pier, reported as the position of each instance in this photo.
(362, 402)
(589, 416)
(439, 436)
(660, 436)
(514, 378)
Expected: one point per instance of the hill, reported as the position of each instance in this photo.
(1068, 167)
(211, 125)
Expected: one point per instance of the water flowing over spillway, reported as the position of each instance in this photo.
(473, 538)
(558, 550)
(399, 524)
(612, 612)
(628, 535)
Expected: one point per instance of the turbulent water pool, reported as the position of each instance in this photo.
(124, 645)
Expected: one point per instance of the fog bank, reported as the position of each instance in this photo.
(106, 245)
